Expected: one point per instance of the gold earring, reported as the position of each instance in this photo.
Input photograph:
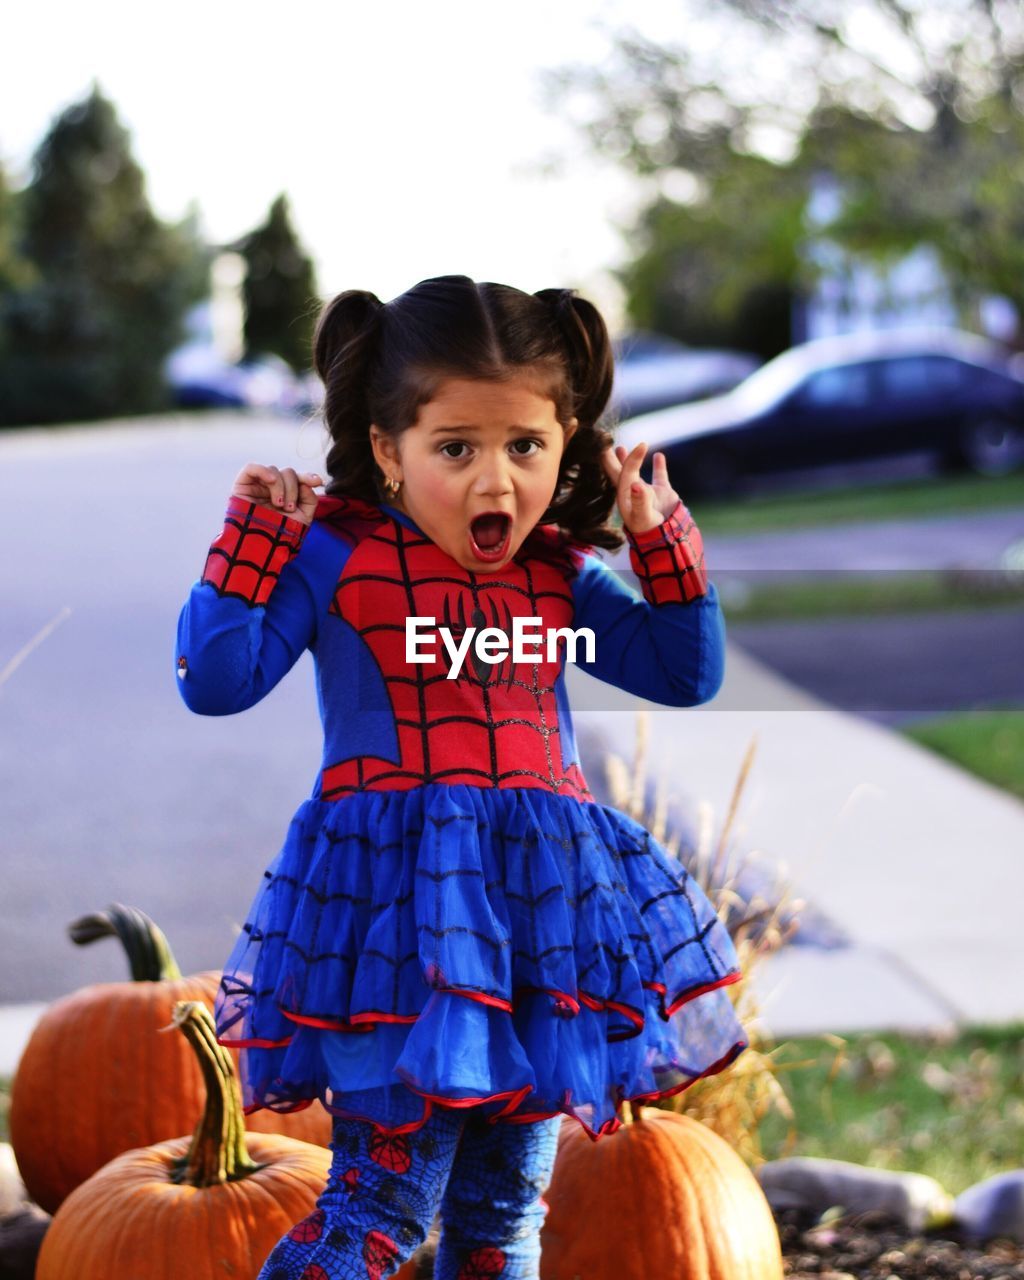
(392, 486)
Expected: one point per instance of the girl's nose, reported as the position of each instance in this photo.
(493, 477)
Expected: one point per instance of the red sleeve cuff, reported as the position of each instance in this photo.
(251, 550)
(669, 559)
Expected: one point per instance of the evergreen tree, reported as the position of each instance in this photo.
(15, 272)
(88, 337)
(279, 292)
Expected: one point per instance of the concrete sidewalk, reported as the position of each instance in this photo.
(915, 862)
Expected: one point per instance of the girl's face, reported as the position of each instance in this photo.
(477, 448)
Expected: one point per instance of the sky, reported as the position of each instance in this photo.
(410, 138)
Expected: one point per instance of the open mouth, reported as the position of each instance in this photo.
(489, 535)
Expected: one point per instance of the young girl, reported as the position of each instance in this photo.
(457, 946)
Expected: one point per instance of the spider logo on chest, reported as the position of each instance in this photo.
(458, 628)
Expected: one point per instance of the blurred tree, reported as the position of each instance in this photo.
(88, 336)
(724, 270)
(916, 109)
(15, 272)
(279, 291)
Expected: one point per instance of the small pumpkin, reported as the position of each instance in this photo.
(662, 1196)
(95, 1079)
(204, 1207)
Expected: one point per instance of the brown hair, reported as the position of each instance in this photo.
(380, 362)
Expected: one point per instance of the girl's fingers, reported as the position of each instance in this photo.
(280, 489)
(272, 479)
(256, 476)
(631, 463)
(289, 488)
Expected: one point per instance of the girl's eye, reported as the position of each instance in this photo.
(460, 444)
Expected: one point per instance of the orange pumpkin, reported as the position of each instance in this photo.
(662, 1196)
(205, 1207)
(95, 1079)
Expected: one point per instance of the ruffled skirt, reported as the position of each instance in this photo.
(509, 949)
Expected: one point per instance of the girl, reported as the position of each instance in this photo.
(457, 946)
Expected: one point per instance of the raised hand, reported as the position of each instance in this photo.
(286, 491)
(643, 506)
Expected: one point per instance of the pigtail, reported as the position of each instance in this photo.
(345, 347)
(585, 498)
(588, 348)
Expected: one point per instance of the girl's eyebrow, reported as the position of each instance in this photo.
(469, 426)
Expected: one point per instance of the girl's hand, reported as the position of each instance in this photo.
(284, 491)
(643, 506)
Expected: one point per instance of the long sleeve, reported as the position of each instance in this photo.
(667, 645)
(267, 581)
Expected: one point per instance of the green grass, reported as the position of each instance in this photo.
(928, 496)
(989, 744)
(828, 595)
(952, 1109)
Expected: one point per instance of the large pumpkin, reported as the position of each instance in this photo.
(662, 1196)
(205, 1207)
(96, 1079)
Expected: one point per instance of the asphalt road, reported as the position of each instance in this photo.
(897, 669)
(113, 790)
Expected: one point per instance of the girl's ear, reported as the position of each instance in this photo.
(384, 450)
(570, 429)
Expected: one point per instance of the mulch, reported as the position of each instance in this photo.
(876, 1247)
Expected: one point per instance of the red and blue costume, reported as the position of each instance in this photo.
(453, 921)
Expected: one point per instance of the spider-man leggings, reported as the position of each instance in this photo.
(382, 1195)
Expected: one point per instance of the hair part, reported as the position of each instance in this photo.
(380, 362)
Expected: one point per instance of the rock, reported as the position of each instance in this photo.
(814, 1184)
(21, 1238)
(994, 1207)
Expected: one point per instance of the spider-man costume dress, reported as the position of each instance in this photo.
(453, 919)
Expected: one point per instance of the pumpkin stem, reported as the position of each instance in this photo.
(218, 1152)
(630, 1113)
(148, 951)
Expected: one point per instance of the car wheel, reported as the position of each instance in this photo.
(992, 446)
(711, 472)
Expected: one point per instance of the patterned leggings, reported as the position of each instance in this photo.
(383, 1192)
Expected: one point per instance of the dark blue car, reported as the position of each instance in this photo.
(847, 399)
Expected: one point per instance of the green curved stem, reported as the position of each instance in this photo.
(218, 1152)
(148, 951)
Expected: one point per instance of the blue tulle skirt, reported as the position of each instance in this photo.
(509, 949)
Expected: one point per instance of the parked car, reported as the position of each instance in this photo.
(846, 399)
(200, 378)
(654, 372)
